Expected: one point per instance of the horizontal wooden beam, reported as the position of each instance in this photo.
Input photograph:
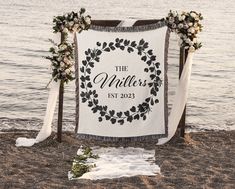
(114, 23)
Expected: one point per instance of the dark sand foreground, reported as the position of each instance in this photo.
(202, 160)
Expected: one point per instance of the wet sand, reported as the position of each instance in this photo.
(201, 160)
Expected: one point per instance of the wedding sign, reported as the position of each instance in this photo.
(122, 82)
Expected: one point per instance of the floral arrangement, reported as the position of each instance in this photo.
(72, 22)
(62, 55)
(82, 163)
(187, 25)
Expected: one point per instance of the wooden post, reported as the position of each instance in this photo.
(183, 57)
(60, 107)
(60, 112)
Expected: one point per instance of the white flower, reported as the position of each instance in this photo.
(197, 29)
(75, 20)
(174, 14)
(67, 71)
(88, 20)
(62, 64)
(190, 23)
(66, 60)
(65, 30)
(75, 27)
(191, 30)
(180, 26)
(80, 151)
(191, 49)
(181, 18)
(67, 53)
(193, 14)
(59, 59)
(71, 23)
(187, 40)
(56, 49)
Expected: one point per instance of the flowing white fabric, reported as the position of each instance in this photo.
(46, 128)
(180, 99)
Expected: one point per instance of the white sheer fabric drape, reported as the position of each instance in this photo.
(180, 99)
(46, 128)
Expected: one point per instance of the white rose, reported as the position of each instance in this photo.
(183, 17)
(188, 40)
(174, 14)
(193, 14)
(180, 26)
(197, 29)
(62, 64)
(80, 151)
(59, 59)
(67, 71)
(190, 23)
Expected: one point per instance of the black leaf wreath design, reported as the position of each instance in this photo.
(90, 96)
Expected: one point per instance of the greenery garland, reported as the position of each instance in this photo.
(80, 162)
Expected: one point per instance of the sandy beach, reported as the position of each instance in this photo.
(201, 160)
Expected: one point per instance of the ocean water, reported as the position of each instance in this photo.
(25, 27)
